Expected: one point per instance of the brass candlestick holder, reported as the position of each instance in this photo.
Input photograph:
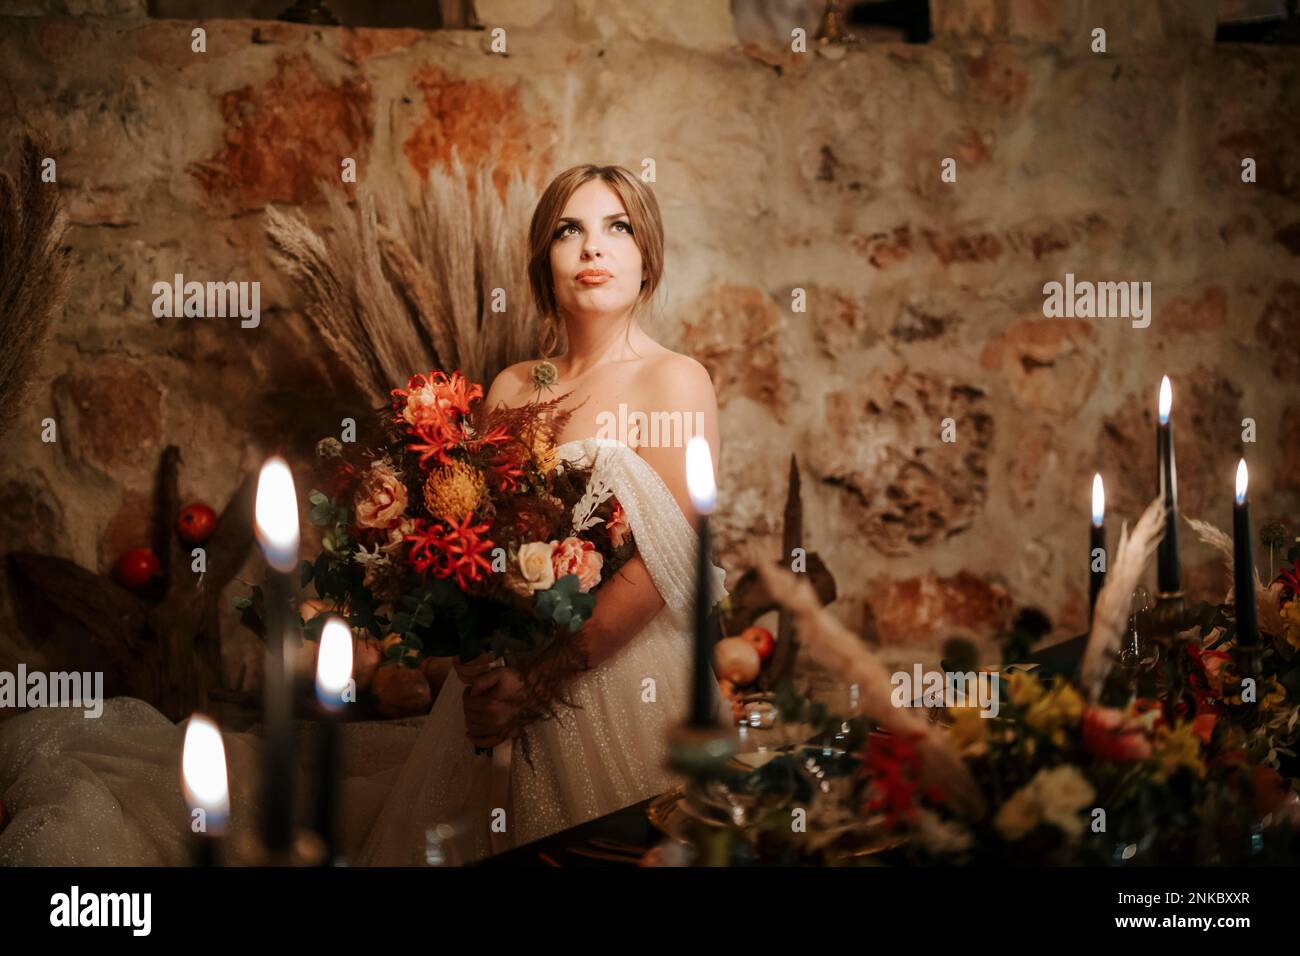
(700, 753)
(1167, 621)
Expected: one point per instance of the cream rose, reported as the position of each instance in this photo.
(575, 556)
(535, 565)
(381, 499)
(1054, 797)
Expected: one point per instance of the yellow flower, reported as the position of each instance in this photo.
(969, 731)
(454, 491)
(1276, 695)
(1177, 749)
(1291, 622)
(1024, 689)
(1050, 714)
(1018, 815)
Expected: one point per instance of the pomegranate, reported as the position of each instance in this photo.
(136, 568)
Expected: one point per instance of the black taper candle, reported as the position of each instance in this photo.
(327, 801)
(1096, 542)
(1243, 565)
(205, 785)
(1168, 576)
(1096, 577)
(701, 690)
(278, 715)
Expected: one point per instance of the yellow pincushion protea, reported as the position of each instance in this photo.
(454, 491)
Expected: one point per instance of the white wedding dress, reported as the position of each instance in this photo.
(106, 792)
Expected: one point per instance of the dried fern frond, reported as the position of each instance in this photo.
(1110, 616)
(841, 652)
(33, 275)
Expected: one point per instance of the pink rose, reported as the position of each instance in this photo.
(618, 526)
(1111, 735)
(381, 498)
(575, 556)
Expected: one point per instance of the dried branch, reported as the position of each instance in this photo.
(33, 276)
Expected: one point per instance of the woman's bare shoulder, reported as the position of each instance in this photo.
(511, 383)
(672, 376)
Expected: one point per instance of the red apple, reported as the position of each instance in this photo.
(762, 640)
(196, 523)
(136, 568)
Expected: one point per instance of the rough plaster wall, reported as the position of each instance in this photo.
(775, 173)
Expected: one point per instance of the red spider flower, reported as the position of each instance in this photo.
(451, 549)
(506, 456)
(436, 395)
(893, 763)
(1207, 680)
(342, 482)
(507, 468)
(1290, 578)
(434, 408)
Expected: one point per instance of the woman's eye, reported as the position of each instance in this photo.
(560, 233)
(625, 225)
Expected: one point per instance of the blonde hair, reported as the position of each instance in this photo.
(647, 232)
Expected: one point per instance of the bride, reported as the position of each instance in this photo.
(108, 794)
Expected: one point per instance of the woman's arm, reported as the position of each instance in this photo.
(624, 605)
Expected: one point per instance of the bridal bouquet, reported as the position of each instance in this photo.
(462, 534)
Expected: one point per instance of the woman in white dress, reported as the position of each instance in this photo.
(597, 257)
(108, 794)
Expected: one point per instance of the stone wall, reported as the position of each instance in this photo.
(776, 172)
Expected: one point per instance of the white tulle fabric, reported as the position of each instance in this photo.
(106, 791)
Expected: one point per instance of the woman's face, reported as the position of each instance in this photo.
(595, 262)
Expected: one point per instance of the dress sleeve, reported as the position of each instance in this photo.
(664, 538)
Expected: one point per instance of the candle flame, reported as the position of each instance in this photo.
(276, 514)
(1166, 399)
(1098, 500)
(1242, 479)
(699, 475)
(203, 771)
(334, 662)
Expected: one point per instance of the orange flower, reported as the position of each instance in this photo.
(433, 409)
(618, 526)
(1203, 726)
(430, 400)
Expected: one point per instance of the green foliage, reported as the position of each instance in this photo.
(564, 605)
(252, 611)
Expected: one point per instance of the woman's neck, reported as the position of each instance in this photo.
(592, 343)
